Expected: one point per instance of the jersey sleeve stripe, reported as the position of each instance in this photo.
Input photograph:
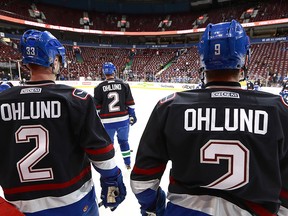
(105, 165)
(130, 102)
(150, 171)
(100, 151)
(284, 194)
(259, 210)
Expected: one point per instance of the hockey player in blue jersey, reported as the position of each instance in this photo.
(51, 138)
(257, 85)
(116, 107)
(4, 86)
(228, 147)
(284, 92)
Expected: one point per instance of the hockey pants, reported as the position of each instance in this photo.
(122, 137)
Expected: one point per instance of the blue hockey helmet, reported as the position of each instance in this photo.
(108, 68)
(224, 46)
(4, 86)
(41, 48)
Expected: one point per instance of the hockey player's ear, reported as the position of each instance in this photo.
(56, 65)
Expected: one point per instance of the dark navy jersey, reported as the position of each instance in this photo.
(49, 134)
(112, 98)
(223, 141)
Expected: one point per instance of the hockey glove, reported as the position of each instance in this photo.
(132, 116)
(133, 120)
(113, 191)
(160, 205)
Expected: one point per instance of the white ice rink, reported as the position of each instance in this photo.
(145, 100)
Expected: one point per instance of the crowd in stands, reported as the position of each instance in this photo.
(246, 11)
(158, 65)
(268, 60)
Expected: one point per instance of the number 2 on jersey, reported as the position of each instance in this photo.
(25, 166)
(112, 105)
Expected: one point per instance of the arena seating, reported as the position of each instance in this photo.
(266, 10)
(268, 59)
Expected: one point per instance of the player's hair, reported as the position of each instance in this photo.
(223, 46)
(41, 48)
(108, 68)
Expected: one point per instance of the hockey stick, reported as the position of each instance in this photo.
(101, 204)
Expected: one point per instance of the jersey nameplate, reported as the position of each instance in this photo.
(224, 94)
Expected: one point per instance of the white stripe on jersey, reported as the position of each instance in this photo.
(132, 106)
(116, 119)
(140, 186)
(105, 165)
(282, 211)
(208, 204)
(44, 203)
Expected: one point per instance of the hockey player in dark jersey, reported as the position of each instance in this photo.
(51, 136)
(227, 146)
(115, 104)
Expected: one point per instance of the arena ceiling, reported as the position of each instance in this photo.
(132, 6)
